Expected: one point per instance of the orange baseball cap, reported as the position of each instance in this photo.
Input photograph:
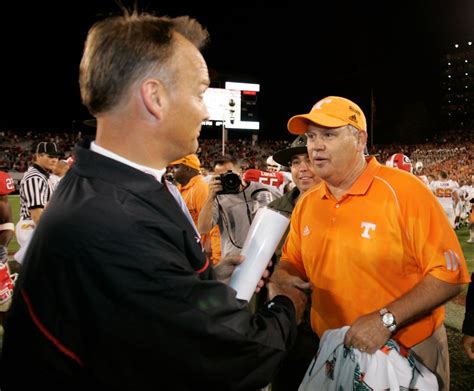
(189, 160)
(331, 112)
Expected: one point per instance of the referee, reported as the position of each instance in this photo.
(35, 192)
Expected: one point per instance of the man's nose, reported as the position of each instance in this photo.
(304, 165)
(318, 143)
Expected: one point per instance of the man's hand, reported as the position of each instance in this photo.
(468, 345)
(367, 333)
(215, 186)
(227, 265)
(293, 281)
(286, 274)
(205, 219)
(297, 296)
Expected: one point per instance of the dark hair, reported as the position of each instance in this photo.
(443, 174)
(121, 50)
(226, 159)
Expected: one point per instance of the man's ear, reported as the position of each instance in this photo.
(362, 140)
(153, 94)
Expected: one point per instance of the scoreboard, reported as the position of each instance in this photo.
(234, 106)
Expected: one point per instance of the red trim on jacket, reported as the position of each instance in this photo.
(46, 333)
(204, 267)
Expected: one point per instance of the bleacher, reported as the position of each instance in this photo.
(451, 151)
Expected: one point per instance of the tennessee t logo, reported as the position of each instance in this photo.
(367, 227)
(318, 105)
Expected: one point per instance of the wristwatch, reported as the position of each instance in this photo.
(388, 320)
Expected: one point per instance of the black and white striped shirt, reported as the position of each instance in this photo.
(35, 190)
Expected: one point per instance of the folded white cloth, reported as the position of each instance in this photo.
(338, 368)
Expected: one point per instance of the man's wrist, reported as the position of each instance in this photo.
(388, 320)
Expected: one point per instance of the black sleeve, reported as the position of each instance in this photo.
(128, 298)
(155, 315)
(468, 324)
(194, 329)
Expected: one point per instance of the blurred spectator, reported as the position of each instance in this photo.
(59, 170)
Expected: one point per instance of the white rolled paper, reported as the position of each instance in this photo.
(263, 237)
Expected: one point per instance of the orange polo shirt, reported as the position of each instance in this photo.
(372, 246)
(216, 252)
(195, 193)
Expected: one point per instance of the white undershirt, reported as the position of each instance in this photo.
(158, 174)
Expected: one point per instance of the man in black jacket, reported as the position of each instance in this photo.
(116, 293)
(468, 324)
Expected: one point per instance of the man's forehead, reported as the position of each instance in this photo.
(221, 167)
(227, 164)
(313, 128)
(299, 156)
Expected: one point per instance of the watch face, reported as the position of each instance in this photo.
(388, 319)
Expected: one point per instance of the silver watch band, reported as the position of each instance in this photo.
(390, 323)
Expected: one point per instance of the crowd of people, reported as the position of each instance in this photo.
(17, 148)
(450, 153)
(127, 258)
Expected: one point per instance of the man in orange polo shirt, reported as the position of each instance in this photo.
(194, 190)
(373, 242)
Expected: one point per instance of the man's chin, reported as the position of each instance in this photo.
(322, 173)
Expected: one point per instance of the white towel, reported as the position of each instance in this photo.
(338, 368)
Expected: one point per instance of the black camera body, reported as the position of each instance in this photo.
(230, 183)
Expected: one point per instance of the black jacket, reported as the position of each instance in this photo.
(116, 294)
(468, 324)
(286, 203)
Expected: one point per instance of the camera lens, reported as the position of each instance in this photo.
(230, 183)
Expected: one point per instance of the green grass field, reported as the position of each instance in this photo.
(462, 369)
(467, 248)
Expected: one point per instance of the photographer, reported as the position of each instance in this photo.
(232, 204)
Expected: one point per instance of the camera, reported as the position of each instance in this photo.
(230, 183)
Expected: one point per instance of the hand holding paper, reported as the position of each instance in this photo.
(263, 237)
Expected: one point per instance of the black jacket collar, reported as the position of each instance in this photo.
(91, 164)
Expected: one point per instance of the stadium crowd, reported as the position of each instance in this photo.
(451, 151)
